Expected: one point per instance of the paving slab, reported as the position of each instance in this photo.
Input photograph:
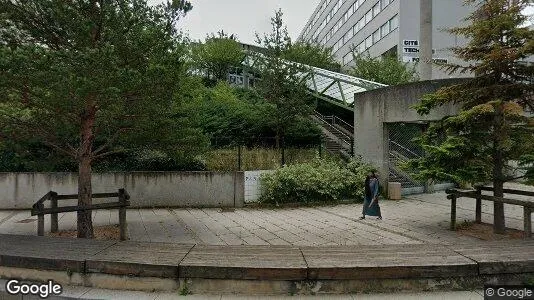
(244, 262)
(48, 253)
(139, 259)
(382, 262)
(500, 257)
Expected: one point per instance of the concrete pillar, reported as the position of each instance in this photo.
(425, 40)
(371, 133)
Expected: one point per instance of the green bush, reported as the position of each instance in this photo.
(316, 181)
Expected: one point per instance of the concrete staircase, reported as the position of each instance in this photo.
(338, 139)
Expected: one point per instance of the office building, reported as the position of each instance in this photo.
(385, 27)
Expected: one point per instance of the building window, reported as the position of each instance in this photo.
(347, 58)
(384, 30)
(376, 9)
(361, 24)
(361, 47)
(368, 42)
(394, 22)
(376, 36)
(368, 16)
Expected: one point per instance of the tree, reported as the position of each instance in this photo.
(492, 129)
(280, 80)
(386, 70)
(312, 55)
(217, 55)
(90, 78)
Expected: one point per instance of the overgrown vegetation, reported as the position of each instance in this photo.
(321, 180)
(257, 158)
(386, 70)
(217, 55)
(312, 55)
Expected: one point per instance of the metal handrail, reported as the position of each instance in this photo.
(336, 120)
(404, 148)
(321, 118)
(345, 124)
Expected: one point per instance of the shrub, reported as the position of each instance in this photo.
(316, 181)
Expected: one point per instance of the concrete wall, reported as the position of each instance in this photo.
(374, 109)
(147, 189)
(253, 185)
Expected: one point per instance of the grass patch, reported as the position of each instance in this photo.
(256, 158)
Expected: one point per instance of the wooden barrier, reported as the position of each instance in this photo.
(40, 211)
(528, 206)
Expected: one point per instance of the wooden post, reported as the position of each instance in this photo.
(527, 212)
(122, 215)
(54, 227)
(40, 220)
(453, 212)
(478, 209)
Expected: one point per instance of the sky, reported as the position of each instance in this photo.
(244, 17)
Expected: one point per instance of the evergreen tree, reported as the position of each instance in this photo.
(280, 80)
(492, 128)
(90, 78)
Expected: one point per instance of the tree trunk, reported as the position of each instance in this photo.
(498, 168)
(85, 224)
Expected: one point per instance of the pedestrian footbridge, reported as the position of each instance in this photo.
(333, 87)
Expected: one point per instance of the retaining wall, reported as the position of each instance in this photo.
(147, 189)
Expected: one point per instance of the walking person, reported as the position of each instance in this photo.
(370, 204)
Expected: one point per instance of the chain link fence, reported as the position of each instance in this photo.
(402, 148)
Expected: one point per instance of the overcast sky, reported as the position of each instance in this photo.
(244, 17)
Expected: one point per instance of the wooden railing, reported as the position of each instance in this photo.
(40, 211)
(528, 206)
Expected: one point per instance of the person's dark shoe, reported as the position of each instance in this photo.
(379, 218)
(362, 218)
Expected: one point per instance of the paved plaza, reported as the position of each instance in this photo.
(416, 219)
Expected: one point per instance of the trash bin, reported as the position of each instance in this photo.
(394, 190)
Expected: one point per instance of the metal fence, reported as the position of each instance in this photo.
(402, 148)
(262, 153)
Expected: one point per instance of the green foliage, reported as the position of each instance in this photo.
(492, 128)
(91, 78)
(280, 84)
(217, 55)
(527, 162)
(316, 181)
(233, 116)
(386, 70)
(312, 55)
(256, 158)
